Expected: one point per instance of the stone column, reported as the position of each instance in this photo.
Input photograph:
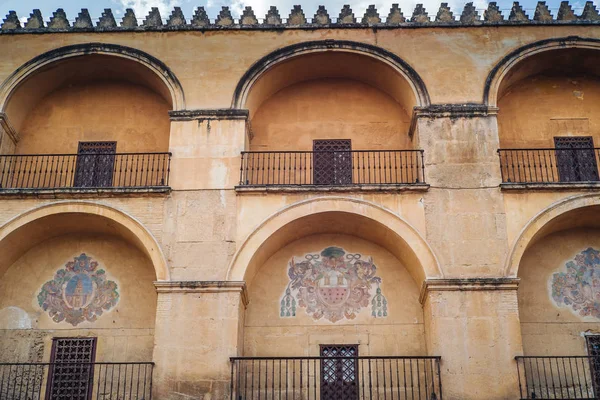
(473, 324)
(198, 327)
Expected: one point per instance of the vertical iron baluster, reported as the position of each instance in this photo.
(565, 374)
(418, 379)
(578, 377)
(552, 376)
(286, 379)
(412, 384)
(370, 381)
(315, 378)
(362, 371)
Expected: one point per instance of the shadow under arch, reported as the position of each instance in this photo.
(373, 223)
(276, 57)
(157, 67)
(16, 238)
(503, 68)
(557, 216)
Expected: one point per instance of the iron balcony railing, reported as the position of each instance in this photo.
(102, 170)
(328, 378)
(549, 165)
(76, 381)
(559, 377)
(332, 168)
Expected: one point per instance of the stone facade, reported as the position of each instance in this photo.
(425, 242)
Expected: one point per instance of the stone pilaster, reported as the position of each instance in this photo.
(473, 324)
(198, 327)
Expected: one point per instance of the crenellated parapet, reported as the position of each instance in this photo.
(297, 19)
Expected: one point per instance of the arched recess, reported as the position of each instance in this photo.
(580, 211)
(327, 90)
(171, 87)
(503, 73)
(409, 76)
(360, 218)
(52, 220)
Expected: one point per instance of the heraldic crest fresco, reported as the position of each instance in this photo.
(79, 292)
(333, 284)
(579, 287)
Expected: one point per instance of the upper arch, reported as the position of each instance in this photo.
(172, 84)
(397, 235)
(539, 226)
(132, 228)
(500, 70)
(273, 59)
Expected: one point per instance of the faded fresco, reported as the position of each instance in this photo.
(333, 284)
(79, 292)
(579, 286)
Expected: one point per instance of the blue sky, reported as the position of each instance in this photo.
(141, 7)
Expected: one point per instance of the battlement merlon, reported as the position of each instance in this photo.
(469, 17)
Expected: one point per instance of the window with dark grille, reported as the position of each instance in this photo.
(593, 348)
(95, 164)
(339, 376)
(576, 158)
(71, 376)
(332, 162)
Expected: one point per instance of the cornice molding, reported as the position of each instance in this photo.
(203, 287)
(467, 284)
(216, 114)
(468, 110)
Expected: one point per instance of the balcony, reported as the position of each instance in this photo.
(76, 380)
(84, 173)
(328, 378)
(568, 377)
(549, 168)
(332, 170)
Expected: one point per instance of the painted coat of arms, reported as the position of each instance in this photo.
(333, 284)
(79, 292)
(579, 287)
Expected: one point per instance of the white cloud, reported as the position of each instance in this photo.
(143, 7)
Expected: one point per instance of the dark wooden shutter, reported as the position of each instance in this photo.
(95, 164)
(593, 346)
(332, 162)
(339, 377)
(72, 376)
(576, 159)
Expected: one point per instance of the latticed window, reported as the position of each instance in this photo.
(95, 164)
(593, 347)
(71, 375)
(332, 162)
(339, 379)
(576, 158)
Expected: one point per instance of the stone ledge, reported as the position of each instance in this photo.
(57, 193)
(554, 186)
(467, 284)
(420, 18)
(213, 114)
(413, 187)
(203, 287)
